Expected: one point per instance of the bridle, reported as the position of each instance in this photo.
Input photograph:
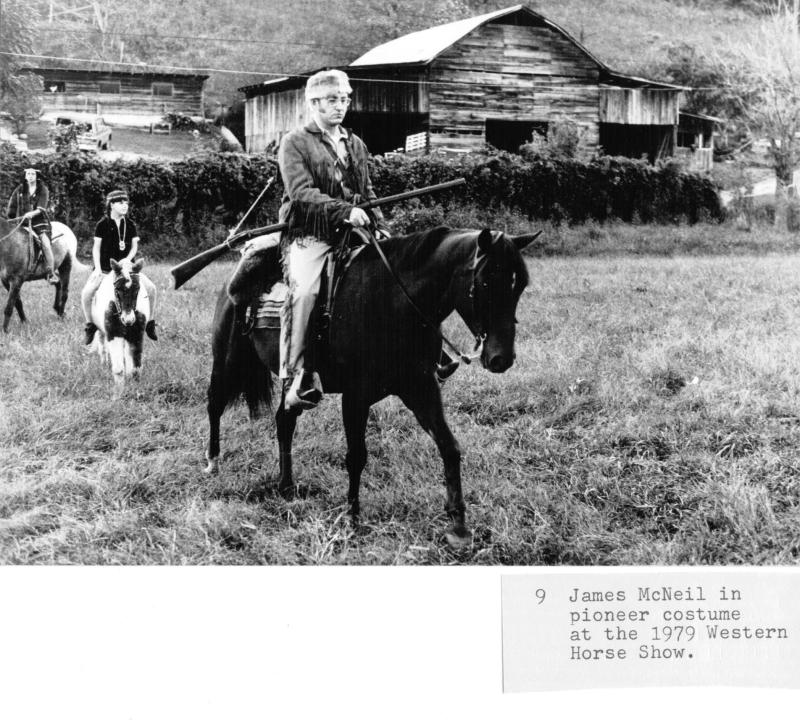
(128, 282)
(479, 332)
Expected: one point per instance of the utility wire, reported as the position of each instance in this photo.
(201, 38)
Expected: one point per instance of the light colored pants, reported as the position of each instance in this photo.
(47, 251)
(90, 288)
(305, 261)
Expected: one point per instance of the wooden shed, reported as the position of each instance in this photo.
(695, 140)
(125, 93)
(495, 78)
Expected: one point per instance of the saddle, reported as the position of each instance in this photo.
(259, 303)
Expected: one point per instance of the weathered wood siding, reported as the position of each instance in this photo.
(510, 72)
(267, 118)
(398, 92)
(135, 97)
(638, 106)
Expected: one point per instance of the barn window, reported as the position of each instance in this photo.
(511, 134)
(162, 89)
(108, 87)
(55, 86)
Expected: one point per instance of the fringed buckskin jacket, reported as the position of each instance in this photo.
(319, 193)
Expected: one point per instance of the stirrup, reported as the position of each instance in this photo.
(304, 392)
(445, 371)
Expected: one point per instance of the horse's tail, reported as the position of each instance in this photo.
(237, 369)
(77, 264)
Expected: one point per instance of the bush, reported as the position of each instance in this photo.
(186, 206)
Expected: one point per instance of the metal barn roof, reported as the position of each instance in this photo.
(424, 45)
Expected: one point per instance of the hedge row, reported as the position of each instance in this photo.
(602, 189)
(187, 205)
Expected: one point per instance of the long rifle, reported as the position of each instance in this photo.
(189, 268)
(255, 204)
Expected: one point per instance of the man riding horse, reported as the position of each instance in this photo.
(325, 175)
(29, 202)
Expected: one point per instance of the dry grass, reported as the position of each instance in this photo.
(652, 418)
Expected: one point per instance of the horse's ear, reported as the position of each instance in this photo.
(138, 265)
(115, 266)
(522, 241)
(485, 240)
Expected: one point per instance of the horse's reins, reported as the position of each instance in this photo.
(479, 338)
(13, 230)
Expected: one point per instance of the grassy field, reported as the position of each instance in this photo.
(652, 418)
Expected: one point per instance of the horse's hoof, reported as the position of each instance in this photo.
(458, 541)
(288, 493)
(213, 467)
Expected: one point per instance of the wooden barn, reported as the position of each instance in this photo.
(127, 94)
(496, 78)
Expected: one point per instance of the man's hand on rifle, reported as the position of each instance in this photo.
(358, 218)
(262, 242)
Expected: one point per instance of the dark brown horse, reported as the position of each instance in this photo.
(18, 264)
(380, 346)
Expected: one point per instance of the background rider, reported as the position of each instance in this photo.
(30, 201)
(115, 237)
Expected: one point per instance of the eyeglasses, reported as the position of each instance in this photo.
(119, 200)
(336, 99)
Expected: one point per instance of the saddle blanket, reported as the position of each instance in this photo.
(268, 312)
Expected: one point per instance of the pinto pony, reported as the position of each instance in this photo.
(19, 264)
(120, 310)
(381, 344)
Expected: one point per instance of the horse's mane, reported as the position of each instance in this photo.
(414, 249)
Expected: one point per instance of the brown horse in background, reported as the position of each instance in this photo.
(379, 345)
(20, 262)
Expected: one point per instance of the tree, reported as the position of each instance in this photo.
(765, 73)
(24, 104)
(20, 91)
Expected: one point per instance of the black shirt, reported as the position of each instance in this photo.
(115, 240)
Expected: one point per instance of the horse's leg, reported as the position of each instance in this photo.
(285, 422)
(62, 288)
(13, 301)
(354, 415)
(116, 355)
(215, 408)
(424, 399)
(133, 360)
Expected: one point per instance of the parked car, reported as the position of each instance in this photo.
(93, 133)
